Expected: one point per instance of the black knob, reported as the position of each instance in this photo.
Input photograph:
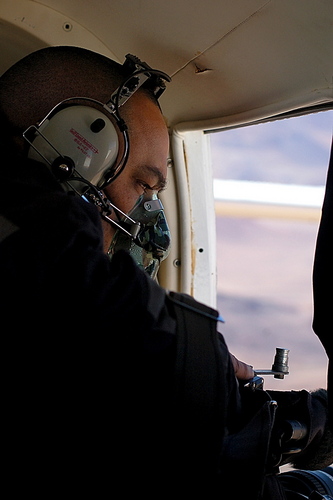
(63, 168)
(97, 125)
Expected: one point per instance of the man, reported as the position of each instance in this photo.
(110, 381)
(79, 319)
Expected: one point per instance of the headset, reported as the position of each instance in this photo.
(79, 142)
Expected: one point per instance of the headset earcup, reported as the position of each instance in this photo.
(82, 134)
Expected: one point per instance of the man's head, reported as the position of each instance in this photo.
(39, 82)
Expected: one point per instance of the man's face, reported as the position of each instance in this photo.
(146, 168)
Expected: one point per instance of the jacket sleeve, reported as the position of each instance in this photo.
(323, 279)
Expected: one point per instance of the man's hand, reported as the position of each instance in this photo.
(242, 370)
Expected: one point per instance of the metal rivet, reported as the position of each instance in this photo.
(67, 26)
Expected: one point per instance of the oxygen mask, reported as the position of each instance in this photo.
(144, 233)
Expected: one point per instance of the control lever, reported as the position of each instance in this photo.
(280, 366)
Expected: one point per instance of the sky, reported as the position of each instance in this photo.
(265, 265)
(294, 150)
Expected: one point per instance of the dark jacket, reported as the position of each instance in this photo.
(93, 387)
(108, 382)
(82, 336)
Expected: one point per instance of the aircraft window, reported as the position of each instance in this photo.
(268, 186)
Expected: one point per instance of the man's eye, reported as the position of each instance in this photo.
(156, 188)
(145, 186)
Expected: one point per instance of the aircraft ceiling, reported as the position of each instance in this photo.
(230, 60)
